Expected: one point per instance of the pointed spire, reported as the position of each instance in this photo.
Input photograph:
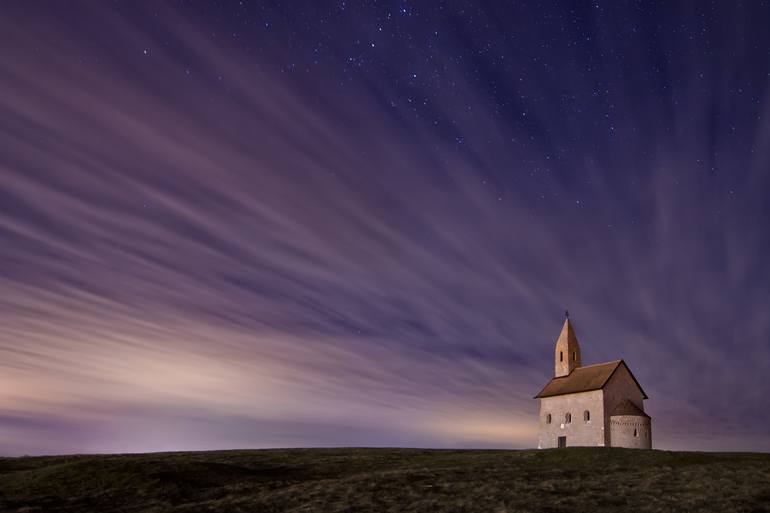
(567, 333)
(567, 355)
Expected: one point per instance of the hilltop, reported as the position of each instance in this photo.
(403, 480)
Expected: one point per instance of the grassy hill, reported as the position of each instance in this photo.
(569, 480)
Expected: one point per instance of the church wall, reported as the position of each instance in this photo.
(631, 431)
(621, 386)
(578, 432)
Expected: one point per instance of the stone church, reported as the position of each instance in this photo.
(593, 405)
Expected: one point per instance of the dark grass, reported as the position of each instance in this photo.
(398, 480)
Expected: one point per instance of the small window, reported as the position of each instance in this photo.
(568, 418)
(561, 356)
(635, 433)
(586, 416)
(574, 356)
(547, 418)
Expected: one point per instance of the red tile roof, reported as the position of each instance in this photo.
(585, 379)
(628, 408)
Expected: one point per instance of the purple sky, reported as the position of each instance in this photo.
(333, 225)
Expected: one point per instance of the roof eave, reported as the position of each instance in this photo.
(540, 396)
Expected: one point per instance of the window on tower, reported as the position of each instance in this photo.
(586, 416)
(574, 356)
(547, 418)
(561, 356)
(568, 418)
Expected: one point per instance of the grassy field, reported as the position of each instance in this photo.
(355, 480)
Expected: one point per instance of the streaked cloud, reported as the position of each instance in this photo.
(199, 251)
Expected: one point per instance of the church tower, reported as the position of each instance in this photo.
(599, 405)
(567, 356)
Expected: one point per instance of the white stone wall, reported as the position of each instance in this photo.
(620, 387)
(631, 431)
(578, 432)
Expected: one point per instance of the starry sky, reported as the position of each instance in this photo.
(256, 224)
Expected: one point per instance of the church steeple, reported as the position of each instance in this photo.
(567, 356)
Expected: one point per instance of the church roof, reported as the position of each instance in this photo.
(585, 379)
(626, 407)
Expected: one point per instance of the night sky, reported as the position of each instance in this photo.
(245, 224)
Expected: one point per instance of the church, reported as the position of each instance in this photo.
(600, 405)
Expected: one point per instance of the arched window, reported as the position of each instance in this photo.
(568, 418)
(561, 356)
(547, 418)
(586, 416)
(635, 433)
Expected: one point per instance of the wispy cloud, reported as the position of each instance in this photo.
(199, 251)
